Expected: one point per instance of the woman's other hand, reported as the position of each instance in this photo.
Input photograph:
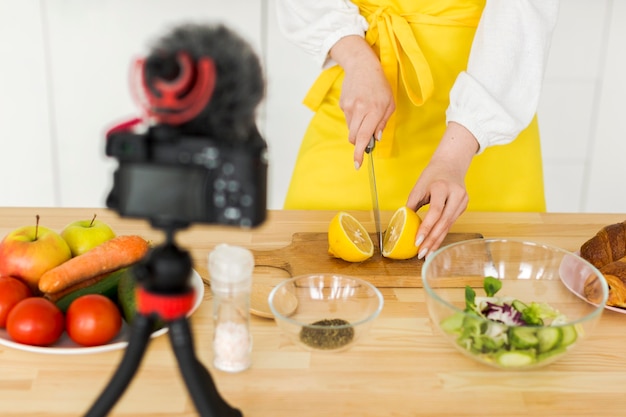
(366, 97)
(442, 186)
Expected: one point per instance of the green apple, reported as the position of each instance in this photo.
(83, 235)
(29, 251)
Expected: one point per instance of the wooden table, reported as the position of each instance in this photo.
(404, 367)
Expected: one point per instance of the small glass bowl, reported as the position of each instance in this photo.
(325, 312)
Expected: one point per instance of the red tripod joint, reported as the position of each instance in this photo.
(168, 307)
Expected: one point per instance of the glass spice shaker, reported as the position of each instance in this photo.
(230, 268)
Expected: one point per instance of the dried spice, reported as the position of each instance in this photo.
(334, 334)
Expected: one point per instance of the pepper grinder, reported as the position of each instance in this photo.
(230, 268)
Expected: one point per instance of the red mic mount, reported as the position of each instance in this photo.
(179, 100)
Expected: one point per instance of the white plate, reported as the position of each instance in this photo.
(574, 277)
(65, 345)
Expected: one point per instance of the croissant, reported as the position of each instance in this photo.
(615, 275)
(607, 246)
(607, 252)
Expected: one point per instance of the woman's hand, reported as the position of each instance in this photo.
(366, 97)
(442, 185)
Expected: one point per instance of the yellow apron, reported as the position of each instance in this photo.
(423, 45)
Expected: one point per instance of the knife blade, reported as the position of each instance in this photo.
(374, 192)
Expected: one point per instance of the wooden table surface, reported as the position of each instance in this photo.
(403, 368)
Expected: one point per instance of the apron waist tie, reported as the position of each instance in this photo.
(401, 58)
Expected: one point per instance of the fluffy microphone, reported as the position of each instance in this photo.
(205, 79)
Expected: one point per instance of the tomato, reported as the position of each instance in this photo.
(35, 321)
(93, 320)
(12, 290)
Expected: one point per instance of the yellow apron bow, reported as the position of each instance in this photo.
(401, 56)
(400, 52)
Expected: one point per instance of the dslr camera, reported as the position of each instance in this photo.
(170, 177)
(196, 155)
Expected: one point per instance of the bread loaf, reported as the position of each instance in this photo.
(607, 252)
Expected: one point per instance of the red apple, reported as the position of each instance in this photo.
(29, 251)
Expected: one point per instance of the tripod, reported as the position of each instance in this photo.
(164, 293)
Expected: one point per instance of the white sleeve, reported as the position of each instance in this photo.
(316, 25)
(497, 97)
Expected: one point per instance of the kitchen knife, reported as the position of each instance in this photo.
(374, 192)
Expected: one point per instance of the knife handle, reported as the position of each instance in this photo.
(370, 146)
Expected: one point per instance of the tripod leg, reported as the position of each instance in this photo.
(199, 382)
(139, 338)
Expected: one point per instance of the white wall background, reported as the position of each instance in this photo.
(64, 72)
(582, 103)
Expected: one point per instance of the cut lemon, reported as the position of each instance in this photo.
(348, 239)
(399, 238)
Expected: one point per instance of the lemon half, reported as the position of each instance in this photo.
(348, 239)
(399, 238)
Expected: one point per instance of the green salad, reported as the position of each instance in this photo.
(514, 334)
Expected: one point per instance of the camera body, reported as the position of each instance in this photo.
(173, 178)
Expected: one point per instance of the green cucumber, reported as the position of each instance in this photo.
(106, 286)
(127, 299)
(453, 323)
(488, 344)
(523, 337)
(516, 358)
(519, 306)
(126, 296)
(569, 335)
(549, 338)
(551, 354)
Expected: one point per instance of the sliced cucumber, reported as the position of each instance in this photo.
(551, 354)
(516, 358)
(453, 323)
(489, 344)
(519, 306)
(523, 337)
(549, 338)
(569, 335)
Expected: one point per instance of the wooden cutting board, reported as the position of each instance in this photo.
(308, 253)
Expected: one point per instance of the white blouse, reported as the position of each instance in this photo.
(495, 98)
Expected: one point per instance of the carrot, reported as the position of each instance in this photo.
(56, 296)
(107, 257)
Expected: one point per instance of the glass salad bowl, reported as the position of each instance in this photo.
(325, 312)
(505, 302)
